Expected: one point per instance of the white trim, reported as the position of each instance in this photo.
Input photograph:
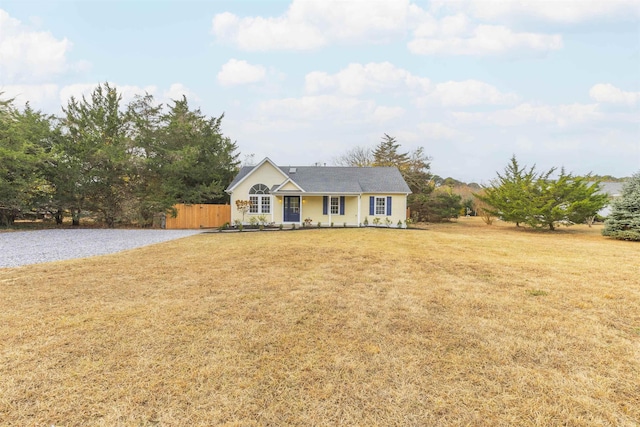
(259, 204)
(255, 168)
(375, 205)
(285, 183)
(331, 204)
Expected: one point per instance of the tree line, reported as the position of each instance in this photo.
(127, 163)
(428, 201)
(518, 195)
(119, 163)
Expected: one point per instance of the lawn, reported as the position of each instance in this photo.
(458, 324)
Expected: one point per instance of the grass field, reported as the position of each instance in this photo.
(459, 324)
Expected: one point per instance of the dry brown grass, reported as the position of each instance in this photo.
(462, 324)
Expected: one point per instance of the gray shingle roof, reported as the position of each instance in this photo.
(339, 179)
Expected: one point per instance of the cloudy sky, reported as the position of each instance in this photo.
(557, 83)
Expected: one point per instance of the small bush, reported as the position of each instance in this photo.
(262, 219)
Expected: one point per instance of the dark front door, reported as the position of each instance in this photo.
(291, 208)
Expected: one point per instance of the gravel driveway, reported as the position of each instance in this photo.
(33, 247)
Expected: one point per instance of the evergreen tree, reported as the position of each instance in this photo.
(200, 160)
(441, 204)
(23, 138)
(623, 222)
(524, 196)
(94, 155)
(510, 196)
(386, 154)
(413, 166)
(566, 200)
(150, 191)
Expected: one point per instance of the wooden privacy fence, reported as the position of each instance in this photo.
(199, 216)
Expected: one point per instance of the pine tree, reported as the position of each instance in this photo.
(565, 200)
(413, 166)
(95, 154)
(386, 153)
(524, 196)
(624, 221)
(24, 137)
(510, 196)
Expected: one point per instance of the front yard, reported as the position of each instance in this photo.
(459, 324)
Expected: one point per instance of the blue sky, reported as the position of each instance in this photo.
(557, 83)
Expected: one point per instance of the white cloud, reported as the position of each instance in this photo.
(526, 113)
(372, 77)
(609, 94)
(318, 108)
(482, 40)
(563, 11)
(385, 114)
(440, 131)
(236, 72)
(466, 93)
(38, 96)
(310, 24)
(27, 55)
(177, 90)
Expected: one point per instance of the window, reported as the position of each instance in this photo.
(381, 206)
(254, 204)
(335, 205)
(266, 204)
(261, 201)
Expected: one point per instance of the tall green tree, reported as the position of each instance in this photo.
(525, 196)
(94, 155)
(387, 153)
(200, 160)
(413, 166)
(510, 195)
(24, 136)
(150, 193)
(566, 200)
(623, 222)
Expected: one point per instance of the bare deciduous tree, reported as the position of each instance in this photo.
(357, 156)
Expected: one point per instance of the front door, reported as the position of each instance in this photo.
(291, 208)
